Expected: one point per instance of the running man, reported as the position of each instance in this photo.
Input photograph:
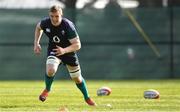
(63, 44)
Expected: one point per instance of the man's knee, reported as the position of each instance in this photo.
(77, 80)
(51, 72)
(52, 65)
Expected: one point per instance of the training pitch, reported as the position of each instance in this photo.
(126, 96)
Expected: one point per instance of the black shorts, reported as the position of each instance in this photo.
(69, 59)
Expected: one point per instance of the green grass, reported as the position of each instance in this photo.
(127, 96)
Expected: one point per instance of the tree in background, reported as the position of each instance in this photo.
(71, 8)
(157, 3)
(150, 3)
(174, 2)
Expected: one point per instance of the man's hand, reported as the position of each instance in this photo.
(59, 51)
(37, 49)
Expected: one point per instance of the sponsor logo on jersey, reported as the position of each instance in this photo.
(56, 39)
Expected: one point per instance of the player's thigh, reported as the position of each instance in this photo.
(75, 73)
(73, 68)
(71, 60)
(72, 64)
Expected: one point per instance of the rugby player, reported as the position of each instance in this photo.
(63, 44)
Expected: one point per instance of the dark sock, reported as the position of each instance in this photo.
(48, 82)
(82, 87)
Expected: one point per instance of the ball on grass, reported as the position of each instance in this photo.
(151, 94)
(104, 91)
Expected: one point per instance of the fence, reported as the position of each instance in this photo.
(112, 47)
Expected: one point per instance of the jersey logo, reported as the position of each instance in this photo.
(48, 30)
(56, 39)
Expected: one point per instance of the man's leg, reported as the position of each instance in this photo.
(48, 81)
(51, 68)
(75, 73)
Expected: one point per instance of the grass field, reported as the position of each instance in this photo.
(127, 96)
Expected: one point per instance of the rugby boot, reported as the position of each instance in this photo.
(90, 102)
(43, 95)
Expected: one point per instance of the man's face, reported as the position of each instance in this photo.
(55, 18)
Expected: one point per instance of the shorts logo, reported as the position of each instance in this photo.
(52, 53)
(56, 39)
(48, 30)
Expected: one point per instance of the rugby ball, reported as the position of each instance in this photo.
(151, 94)
(104, 91)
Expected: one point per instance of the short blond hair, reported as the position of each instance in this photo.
(56, 8)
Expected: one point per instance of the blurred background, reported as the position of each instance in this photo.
(121, 39)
